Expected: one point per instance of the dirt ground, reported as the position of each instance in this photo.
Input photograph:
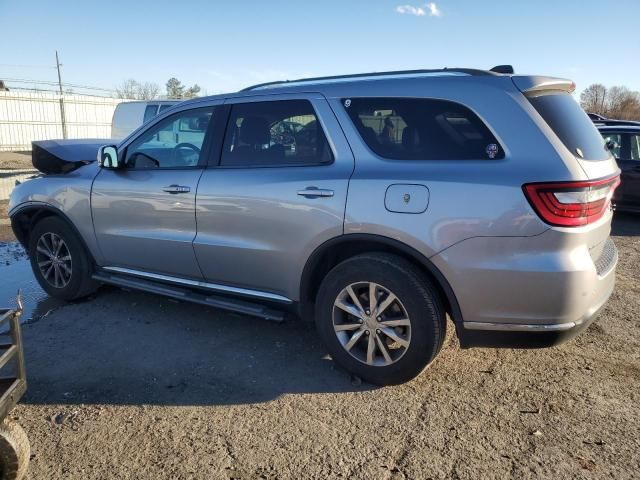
(6, 234)
(129, 385)
(15, 160)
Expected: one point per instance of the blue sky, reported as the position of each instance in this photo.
(225, 45)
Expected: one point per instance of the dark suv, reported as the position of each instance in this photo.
(624, 143)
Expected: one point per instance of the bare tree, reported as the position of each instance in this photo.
(148, 91)
(614, 102)
(139, 91)
(127, 89)
(593, 97)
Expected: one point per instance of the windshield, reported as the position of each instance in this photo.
(571, 124)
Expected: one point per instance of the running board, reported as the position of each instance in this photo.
(216, 301)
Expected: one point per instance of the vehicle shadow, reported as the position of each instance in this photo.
(122, 347)
(626, 224)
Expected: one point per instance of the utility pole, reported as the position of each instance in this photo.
(62, 115)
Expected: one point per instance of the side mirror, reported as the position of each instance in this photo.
(108, 157)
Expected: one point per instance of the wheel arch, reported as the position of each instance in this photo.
(25, 218)
(334, 251)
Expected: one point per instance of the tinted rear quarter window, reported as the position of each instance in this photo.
(571, 124)
(422, 129)
(149, 113)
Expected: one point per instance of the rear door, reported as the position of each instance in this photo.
(144, 214)
(630, 165)
(276, 193)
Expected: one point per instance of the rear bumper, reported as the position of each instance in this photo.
(525, 336)
(528, 292)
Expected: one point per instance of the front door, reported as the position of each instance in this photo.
(278, 192)
(144, 213)
(630, 166)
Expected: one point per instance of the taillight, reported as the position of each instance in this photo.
(571, 204)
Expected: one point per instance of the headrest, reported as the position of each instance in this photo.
(410, 138)
(255, 131)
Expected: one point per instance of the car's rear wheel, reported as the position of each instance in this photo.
(59, 260)
(380, 317)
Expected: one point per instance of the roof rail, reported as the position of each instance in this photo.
(607, 122)
(468, 71)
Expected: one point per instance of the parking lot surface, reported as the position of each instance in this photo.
(130, 385)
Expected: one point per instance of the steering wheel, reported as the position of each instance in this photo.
(184, 145)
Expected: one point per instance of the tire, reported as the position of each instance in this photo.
(79, 268)
(410, 347)
(14, 451)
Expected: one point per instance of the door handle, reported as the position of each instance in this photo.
(315, 192)
(176, 189)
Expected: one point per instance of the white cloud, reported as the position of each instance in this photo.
(430, 9)
(434, 11)
(411, 10)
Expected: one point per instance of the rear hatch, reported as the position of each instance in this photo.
(579, 203)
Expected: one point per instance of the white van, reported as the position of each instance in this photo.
(130, 115)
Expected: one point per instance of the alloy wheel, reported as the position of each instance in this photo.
(371, 323)
(54, 260)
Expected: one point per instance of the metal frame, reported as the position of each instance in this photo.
(11, 387)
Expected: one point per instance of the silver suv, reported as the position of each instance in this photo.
(376, 204)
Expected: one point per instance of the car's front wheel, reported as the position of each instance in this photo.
(380, 317)
(59, 260)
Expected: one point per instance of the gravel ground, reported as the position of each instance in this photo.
(130, 385)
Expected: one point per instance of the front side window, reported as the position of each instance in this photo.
(176, 142)
(422, 129)
(284, 132)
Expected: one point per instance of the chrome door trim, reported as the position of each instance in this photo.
(195, 283)
(519, 327)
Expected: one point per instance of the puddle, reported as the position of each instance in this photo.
(15, 273)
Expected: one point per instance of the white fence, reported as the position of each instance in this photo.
(26, 116)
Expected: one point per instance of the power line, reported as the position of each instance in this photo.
(55, 84)
(25, 66)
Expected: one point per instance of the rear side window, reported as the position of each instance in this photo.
(422, 129)
(274, 133)
(571, 124)
(149, 113)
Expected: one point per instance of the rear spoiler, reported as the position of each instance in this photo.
(532, 84)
